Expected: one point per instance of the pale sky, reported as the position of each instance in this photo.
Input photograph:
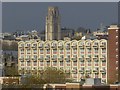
(26, 16)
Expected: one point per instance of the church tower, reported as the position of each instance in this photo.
(53, 31)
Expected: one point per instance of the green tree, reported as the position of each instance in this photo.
(11, 71)
(33, 81)
(54, 75)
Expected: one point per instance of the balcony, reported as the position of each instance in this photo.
(82, 46)
(54, 47)
(21, 46)
(81, 71)
(67, 58)
(41, 46)
(34, 47)
(74, 71)
(27, 47)
(74, 58)
(67, 47)
(47, 59)
(96, 71)
(67, 71)
(74, 46)
(103, 46)
(95, 46)
(47, 47)
(60, 46)
(103, 71)
(41, 59)
(27, 59)
(21, 59)
(88, 46)
(81, 59)
(60, 59)
(54, 58)
(88, 70)
(103, 59)
(34, 59)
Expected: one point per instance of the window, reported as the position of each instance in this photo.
(41, 63)
(67, 51)
(68, 63)
(22, 51)
(35, 45)
(96, 63)
(28, 45)
(74, 51)
(89, 50)
(54, 51)
(61, 63)
(48, 63)
(54, 63)
(96, 43)
(82, 51)
(28, 56)
(48, 51)
(96, 50)
(34, 63)
(28, 63)
(103, 75)
(34, 51)
(103, 50)
(96, 75)
(41, 51)
(61, 51)
(28, 51)
(22, 63)
(74, 63)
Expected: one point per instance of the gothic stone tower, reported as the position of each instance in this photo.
(53, 31)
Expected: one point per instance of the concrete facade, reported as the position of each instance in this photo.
(81, 59)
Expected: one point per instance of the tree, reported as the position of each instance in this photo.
(33, 81)
(54, 75)
(11, 71)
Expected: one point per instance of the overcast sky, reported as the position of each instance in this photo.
(26, 16)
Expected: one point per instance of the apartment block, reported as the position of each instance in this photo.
(81, 59)
(114, 54)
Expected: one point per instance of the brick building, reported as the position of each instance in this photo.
(114, 53)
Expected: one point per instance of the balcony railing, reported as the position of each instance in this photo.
(81, 71)
(21, 46)
(60, 59)
(82, 46)
(41, 59)
(74, 46)
(54, 47)
(74, 71)
(103, 71)
(67, 71)
(34, 59)
(21, 59)
(67, 59)
(33, 46)
(60, 46)
(81, 59)
(41, 46)
(27, 59)
(54, 58)
(27, 46)
(74, 58)
(48, 47)
(88, 70)
(96, 71)
(103, 46)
